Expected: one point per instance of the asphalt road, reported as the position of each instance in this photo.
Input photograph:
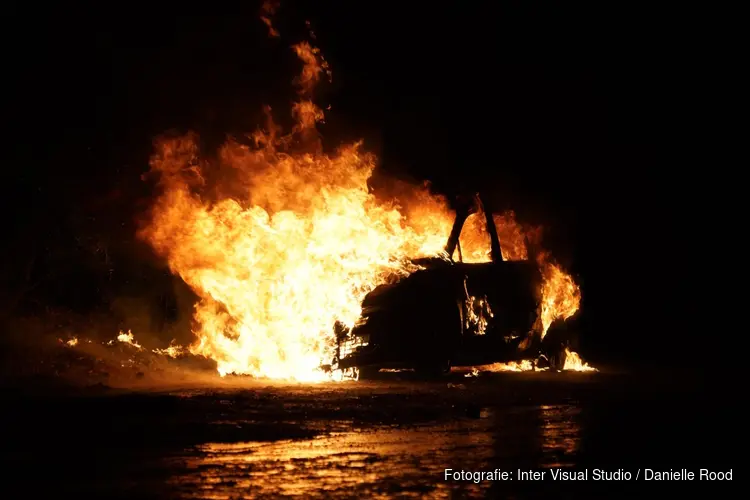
(391, 437)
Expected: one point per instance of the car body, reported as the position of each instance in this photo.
(452, 313)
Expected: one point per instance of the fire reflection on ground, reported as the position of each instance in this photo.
(384, 461)
(376, 439)
(561, 434)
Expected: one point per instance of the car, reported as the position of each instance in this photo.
(451, 313)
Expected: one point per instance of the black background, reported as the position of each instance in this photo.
(576, 118)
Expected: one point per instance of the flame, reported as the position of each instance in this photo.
(561, 297)
(514, 366)
(289, 240)
(172, 351)
(512, 236)
(573, 362)
(478, 312)
(127, 338)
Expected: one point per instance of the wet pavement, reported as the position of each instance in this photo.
(379, 439)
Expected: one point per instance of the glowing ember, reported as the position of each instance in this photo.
(474, 238)
(292, 239)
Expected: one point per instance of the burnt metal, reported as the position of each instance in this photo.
(420, 322)
(464, 208)
(496, 253)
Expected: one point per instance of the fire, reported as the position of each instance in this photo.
(172, 351)
(561, 297)
(479, 312)
(127, 338)
(514, 366)
(289, 242)
(474, 238)
(573, 362)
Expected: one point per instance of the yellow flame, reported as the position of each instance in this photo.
(561, 297)
(172, 351)
(573, 362)
(127, 338)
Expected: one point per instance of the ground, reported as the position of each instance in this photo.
(377, 439)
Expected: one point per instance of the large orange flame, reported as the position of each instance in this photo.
(287, 240)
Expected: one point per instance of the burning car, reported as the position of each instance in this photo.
(453, 313)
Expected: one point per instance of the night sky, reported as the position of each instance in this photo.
(562, 115)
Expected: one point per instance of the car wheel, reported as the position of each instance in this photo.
(555, 344)
(540, 362)
(558, 358)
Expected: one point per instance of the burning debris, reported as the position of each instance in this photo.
(173, 351)
(561, 297)
(277, 268)
(267, 11)
(573, 363)
(124, 361)
(127, 338)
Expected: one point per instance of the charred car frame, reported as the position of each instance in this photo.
(451, 313)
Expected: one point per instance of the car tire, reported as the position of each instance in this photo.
(557, 359)
(560, 337)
